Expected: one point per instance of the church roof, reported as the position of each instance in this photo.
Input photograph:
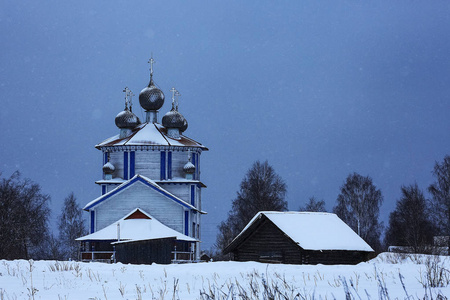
(309, 230)
(148, 182)
(136, 226)
(150, 134)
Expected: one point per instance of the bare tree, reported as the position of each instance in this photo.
(440, 191)
(261, 190)
(24, 216)
(358, 205)
(314, 205)
(409, 223)
(71, 226)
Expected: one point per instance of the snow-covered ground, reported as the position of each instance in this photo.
(386, 277)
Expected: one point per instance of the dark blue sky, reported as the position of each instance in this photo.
(320, 89)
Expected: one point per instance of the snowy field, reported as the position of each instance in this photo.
(386, 277)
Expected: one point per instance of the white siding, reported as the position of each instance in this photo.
(139, 195)
(147, 163)
(179, 159)
(182, 191)
(116, 158)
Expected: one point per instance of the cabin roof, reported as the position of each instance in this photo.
(150, 134)
(137, 225)
(148, 182)
(309, 230)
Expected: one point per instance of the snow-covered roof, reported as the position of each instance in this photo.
(148, 182)
(143, 228)
(313, 230)
(149, 134)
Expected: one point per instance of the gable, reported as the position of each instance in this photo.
(126, 185)
(139, 195)
(137, 214)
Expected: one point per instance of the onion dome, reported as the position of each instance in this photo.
(189, 168)
(151, 98)
(108, 168)
(185, 126)
(127, 120)
(173, 119)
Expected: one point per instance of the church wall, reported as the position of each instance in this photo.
(139, 195)
(148, 164)
(182, 191)
(116, 158)
(179, 159)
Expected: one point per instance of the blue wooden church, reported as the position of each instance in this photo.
(150, 204)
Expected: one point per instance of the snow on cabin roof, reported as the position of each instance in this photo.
(314, 230)
(148, 182)
(140, 227)
(149, 134)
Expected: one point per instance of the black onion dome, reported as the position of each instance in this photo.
(151, 98)
(127, 120)
(173, 119)
(185, 126)
(189, 168)
(108, 168)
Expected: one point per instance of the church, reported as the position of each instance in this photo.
(150, 204)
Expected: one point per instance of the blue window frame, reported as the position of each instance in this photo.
(132, 163)
(169, 165)
(92, 221)
(103, 189)
(163, 165)
(193, 195)
(186, 223)
(125, 165)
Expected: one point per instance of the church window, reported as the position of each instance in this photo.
(186, 223)
(92, 221)
(163, 165)
(132, 163)
(193, 194)
(169, 165)
(125, 165)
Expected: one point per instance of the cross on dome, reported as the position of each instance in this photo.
(151, 61)
(128, 95)
(174, 91)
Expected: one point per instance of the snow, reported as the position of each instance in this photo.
(315, 230)
(22, 279)
(148, 134)
(136, 230)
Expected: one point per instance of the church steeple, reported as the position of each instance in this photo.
(126, 120)
(151, 98)
(173, 120)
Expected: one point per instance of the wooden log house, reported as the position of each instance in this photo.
(298, 238)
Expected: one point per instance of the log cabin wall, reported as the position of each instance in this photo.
(267, 243)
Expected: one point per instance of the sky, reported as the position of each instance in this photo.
(320, 89)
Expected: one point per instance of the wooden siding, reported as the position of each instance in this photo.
(182, 191)
(145, 252)
(139, 195)
(268, 244)
(116, 158)
(147, 163)
(264, 242)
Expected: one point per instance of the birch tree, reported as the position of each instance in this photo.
(358, 205)
(71, 226)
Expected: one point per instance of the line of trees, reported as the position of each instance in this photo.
(412, 225)
(24, 222)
